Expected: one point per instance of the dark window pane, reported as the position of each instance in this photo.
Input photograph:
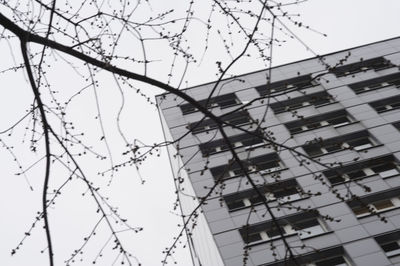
(235, 204)
(338, 120)
(390, 246)
(333, 147)
(283, 192)
(359, 142)
(383, 167)
(252, 237)
(256, 199)
(313, 150)
(356, 174)
(305, 224)
(273, 232)
(332, 262)
(336, 179)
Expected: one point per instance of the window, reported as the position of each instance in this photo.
(222, 101)
(282, 192)
(385, 166)
(237, 119)
(316, 99)
(387, 104)
(357, 141)
(375, 203)
(376, 64)
(335, 119)
(334, 256)
(241, 140)
(390, 243)
(304, 225)
(335, 261)
(376, 83)
(263, 164)
(296, 83)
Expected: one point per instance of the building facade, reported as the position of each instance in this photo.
(321, 142)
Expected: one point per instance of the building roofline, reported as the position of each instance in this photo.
(294, 62)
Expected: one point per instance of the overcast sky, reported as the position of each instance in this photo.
(347, 23)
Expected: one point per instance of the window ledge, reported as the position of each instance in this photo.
(207, 131)
(300, 107)
(373, 89)
(385, 111)
(228, 106)
(346, 149)
(268, 201)
(246, 148)
(254, 172)
(361, 178)
(378, 212)
(335, 127)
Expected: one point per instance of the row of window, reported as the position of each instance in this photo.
(340, 117)
(356, 141)
(334, 256)
(284, 191)
(335, 119)
(378, 63)
(239, 118)
(306, 81)
(263, 164)
(375, 203)
(300, 82)
(304, 225)
(385, 166)
(390, 243)
(386, 104)
(376, 83)
(289, 190)
(242, 140)
(315, 99)
(221, 101)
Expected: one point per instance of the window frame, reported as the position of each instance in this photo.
(303, 101)
(319, 147)
(269, 191)
(364, 166)
(319, 121)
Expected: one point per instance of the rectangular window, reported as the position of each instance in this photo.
(285, 191)
(376, 83)
(375, 203)
(376, 64)
(390, 243)
(385, 166)
(241, 140)
(305, 225)
(221, 101)
(358, 141)
(300, 82)
(333, 256)
(262, 164)
(316, 99)
(335, 119)
(238, 119)
(335, 261)
(387, 104)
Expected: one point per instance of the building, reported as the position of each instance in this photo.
(331, 181)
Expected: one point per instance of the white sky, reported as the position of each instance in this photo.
(347, 23)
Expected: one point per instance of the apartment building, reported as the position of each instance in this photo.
(320, 140)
